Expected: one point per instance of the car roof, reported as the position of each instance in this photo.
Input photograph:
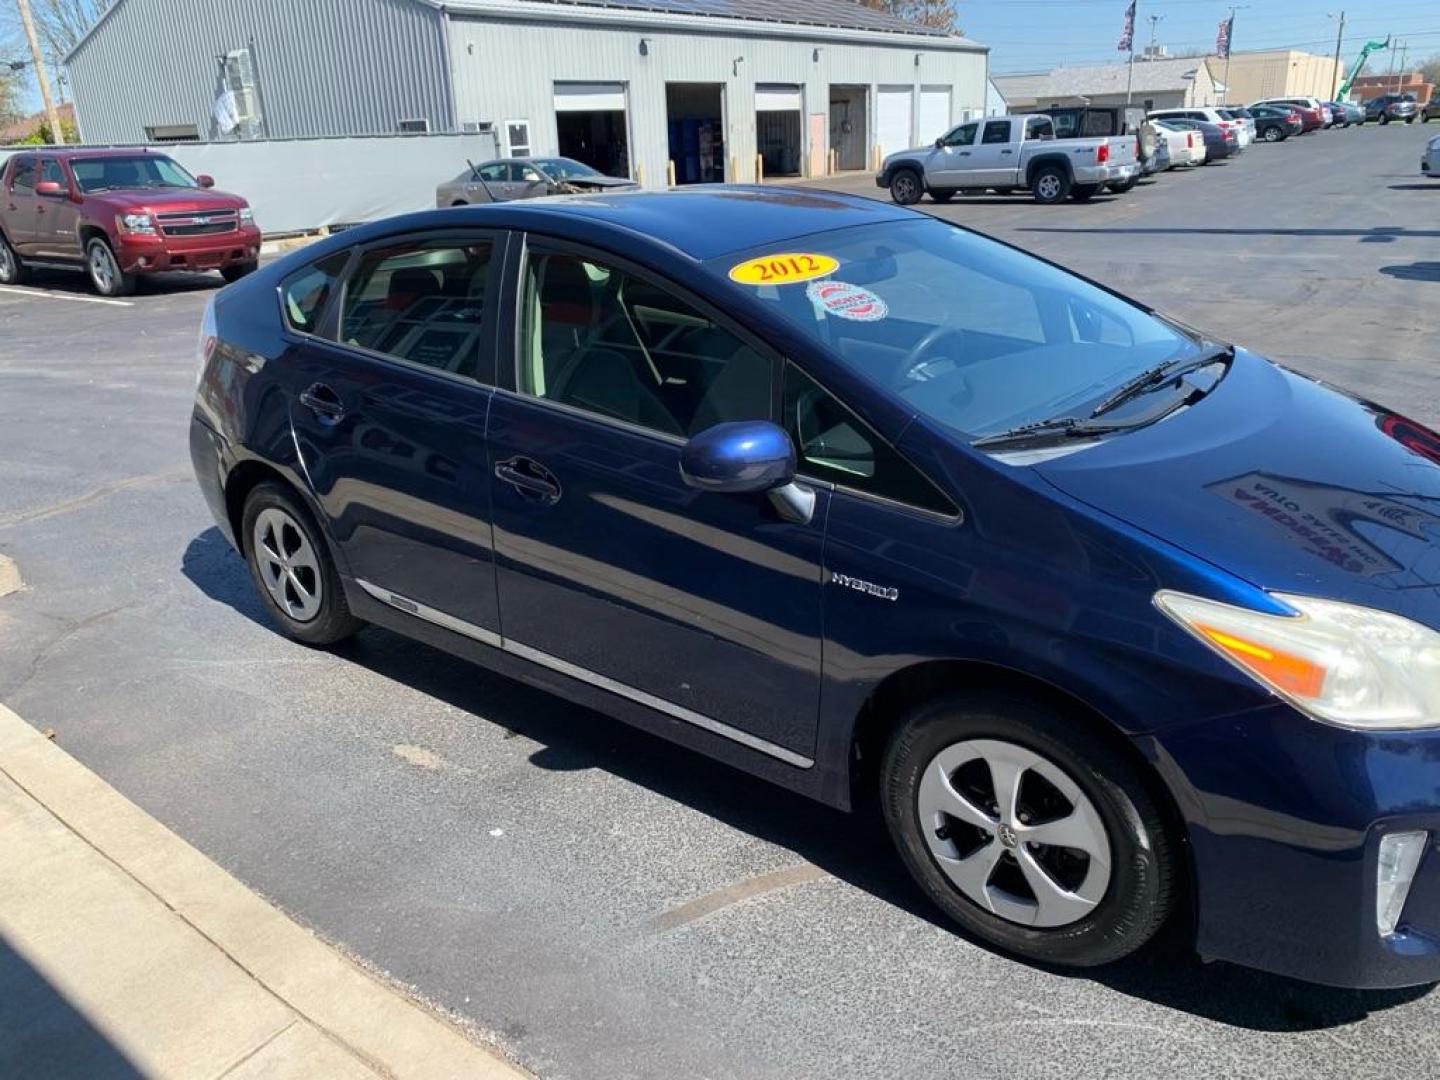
(701, 223)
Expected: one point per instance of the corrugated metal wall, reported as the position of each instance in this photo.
(506, 70)
(326, 67)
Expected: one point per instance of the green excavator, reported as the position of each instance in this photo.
(1370, 46)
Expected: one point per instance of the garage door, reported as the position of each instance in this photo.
(934, 112)
(589, 97)
(893, 113)
(777, 97)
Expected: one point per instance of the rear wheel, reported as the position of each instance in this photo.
(1273, 134)
(237, 271)
(1084, 192)
(104, 270)
(292, 568)
(906, 187)
(1029, 832)
(12, 270)
(1384, 120)
(942, 194)
(1050, 185)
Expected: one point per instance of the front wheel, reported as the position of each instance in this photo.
(236, 271)
(1030, 833)
(292, 568)
(906, 187)
(1273, 134)
(12, 270)
(105, 272)
(1050, 185)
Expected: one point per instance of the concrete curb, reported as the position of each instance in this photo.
(391, 1034)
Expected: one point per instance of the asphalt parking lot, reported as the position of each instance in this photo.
(598, 902)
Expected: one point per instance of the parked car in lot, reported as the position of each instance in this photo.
(1005, 153)
(1430, 163)
(1345, 114)
(526, 178)
(1388, 107)
(1275, 124)
(1430, 110)
(1312, 116)
(117, 214)
(1220, 143)
(1109, 121)
(1208, 115)
(1112, 619)
(1242, 116)
(1187, 146)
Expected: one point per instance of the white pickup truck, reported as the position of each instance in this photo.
(1008, 152)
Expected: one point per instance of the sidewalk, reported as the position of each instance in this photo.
(124, 952)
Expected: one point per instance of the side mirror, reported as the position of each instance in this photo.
(51, 189)
(735, 458)
(940, 143)
(205, 180)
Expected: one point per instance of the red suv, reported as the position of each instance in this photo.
(117, 214)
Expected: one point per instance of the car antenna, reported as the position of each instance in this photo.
(475, 173)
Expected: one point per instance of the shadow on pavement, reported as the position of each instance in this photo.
(77, 283)
(1420, 271)
(852, 847)
(1431, 186)
(42, 1034)
(1381, 234)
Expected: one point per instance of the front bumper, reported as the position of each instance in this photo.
(142, 254)
(1284, 817)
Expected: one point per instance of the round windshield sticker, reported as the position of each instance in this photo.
(847, 301)
(785, 269)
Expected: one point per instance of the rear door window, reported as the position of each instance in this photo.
(306, 293)
(996, 131)
(421, 301)
(23, 178)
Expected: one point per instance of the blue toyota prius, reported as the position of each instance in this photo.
(1117, 623)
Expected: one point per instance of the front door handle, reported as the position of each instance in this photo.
(1007, 151)
(964, 153)
(531, 479)
(323, 402)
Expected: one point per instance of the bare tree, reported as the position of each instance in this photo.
(936, 14)
(58, 23)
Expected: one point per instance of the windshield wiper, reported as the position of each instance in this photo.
(1161, 374)
(1063, 427)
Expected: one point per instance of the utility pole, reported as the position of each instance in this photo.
(1339, 41)
(1154, 21)
(57, 135)
(1400, 77)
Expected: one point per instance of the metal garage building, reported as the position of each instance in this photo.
(634, 87)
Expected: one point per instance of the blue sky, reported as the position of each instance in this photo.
(1030, 35)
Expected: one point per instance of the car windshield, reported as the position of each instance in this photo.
(140, 171)
(970, 333)
(565, 168)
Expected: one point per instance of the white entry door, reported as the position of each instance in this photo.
(935, 119)
(894, 113)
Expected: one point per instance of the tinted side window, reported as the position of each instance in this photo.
(1039, 127)
(51, 170)
(1066, 124)
(305, 293)
(964, 135)
(615, 344)
(420, 301)
(997, 131)
(834, 444)
(24, 178)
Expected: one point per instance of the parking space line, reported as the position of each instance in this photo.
(50, 295)
(733, 894)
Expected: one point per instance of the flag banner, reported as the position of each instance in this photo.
(1222, 39)
(1127, 39)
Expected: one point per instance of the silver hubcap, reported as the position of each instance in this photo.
(1014, 833)
(288, 565)
(102, 267)
(7, 262)
(1049, 187)
(905, 187)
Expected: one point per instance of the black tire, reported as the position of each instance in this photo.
(1120, 187)
(332, 621)
(942, 195)
(1384, 120)
(12, 270)
(906, 187)
(1409, 119)
(1273, 134)
(103, 268)
(236, 271)
(1084, 192)
(1144, 880)
(1050, 184)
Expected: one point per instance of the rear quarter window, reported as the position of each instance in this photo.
(305, 294)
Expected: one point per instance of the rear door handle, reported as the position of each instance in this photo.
(530, 478)
(323, 402)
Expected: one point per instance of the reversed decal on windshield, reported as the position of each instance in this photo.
(786, 269)
(847, 301)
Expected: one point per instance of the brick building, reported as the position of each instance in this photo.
(1407, 82)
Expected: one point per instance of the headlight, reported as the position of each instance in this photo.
(247, 216)
(135, 223)
(1350, 665)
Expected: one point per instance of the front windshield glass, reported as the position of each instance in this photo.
(140, 171)
(565, 168)
(972, 334)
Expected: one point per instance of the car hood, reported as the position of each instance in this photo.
(1289, 484)
(169, 200)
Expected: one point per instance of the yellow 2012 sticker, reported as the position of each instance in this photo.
(785, 269)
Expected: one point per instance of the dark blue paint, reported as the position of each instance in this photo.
(711, 601)
(749, 455)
